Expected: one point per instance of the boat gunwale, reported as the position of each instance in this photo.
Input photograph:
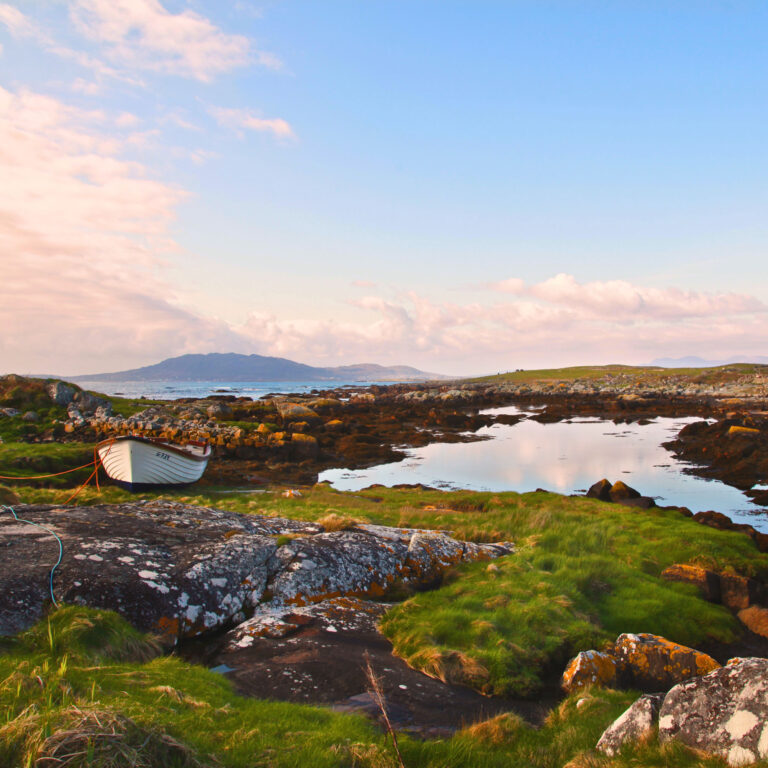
(157, 442)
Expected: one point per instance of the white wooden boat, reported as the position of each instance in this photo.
(144, 463)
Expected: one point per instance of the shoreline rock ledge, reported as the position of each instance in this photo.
(180, 571)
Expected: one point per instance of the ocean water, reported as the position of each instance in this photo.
(566, 457)
(171, 390)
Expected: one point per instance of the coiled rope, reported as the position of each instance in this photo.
(55, 536)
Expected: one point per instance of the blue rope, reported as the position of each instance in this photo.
(61, 546)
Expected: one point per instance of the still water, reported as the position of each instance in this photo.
(566, 457)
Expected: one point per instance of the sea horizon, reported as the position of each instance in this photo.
(172, 389)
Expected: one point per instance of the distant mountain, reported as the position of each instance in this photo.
(233, 367)
(698, 362)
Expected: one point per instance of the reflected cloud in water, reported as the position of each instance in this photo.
(562, 457)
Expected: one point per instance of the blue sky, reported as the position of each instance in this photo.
(458, 186)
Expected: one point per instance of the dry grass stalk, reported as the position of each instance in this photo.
(378, 696)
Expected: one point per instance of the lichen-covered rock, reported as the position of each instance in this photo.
(87, 403)
(431, 552)
(654, 663)
(345, 614)
(181, 570)
(304, 446)
(296, 412)
(755, 618)
(60, 393)
(742, 431)
(591, 668)
(708, 582)
(169, 568)
(219, 411)
(334, 564)
(724, 713)
(739, 592)
(634, 724)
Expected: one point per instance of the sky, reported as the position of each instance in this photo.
(465, 187)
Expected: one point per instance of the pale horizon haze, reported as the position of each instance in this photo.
(463, 187)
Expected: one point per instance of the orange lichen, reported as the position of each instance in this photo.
(590, 668)
(168, 628)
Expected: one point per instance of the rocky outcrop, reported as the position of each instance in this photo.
(338, 614)
(724, 713)
(600, 490)
(755, 619)
(591, 668)
(648, 662)
(654, 663)
(179, 570)
(708, 582)
(733, 449)
(367, 561)
(60, 393)
(633, 725)
(619, 493)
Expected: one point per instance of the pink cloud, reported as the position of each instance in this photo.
(619, 299)
(143, 34)
(20, 25)
(245, 119)
(17, 23)
(527, 330)
(83, 233)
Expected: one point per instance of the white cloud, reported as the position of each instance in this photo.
(83, 233)
(240, 119)
(550, 323)
(20, 25)
(620, 300)
(17, 23)
(143, 34)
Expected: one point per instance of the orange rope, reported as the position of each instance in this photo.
(42, 477)
(95, 464)
(97, 461)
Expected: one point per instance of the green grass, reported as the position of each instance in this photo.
(127, 406)
(21, 460)
(82, 665)
(641, 374)
(584, 572)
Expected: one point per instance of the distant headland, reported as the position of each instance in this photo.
(234, 367)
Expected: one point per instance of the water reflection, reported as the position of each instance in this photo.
(566, 457)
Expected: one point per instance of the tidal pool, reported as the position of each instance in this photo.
(566, 457)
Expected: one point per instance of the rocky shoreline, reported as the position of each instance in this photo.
(292, 438)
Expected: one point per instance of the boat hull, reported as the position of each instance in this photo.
(140, 464)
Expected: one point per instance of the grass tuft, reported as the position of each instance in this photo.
(90, 634)
(498, 730)
(92, 738)
(333, 521)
